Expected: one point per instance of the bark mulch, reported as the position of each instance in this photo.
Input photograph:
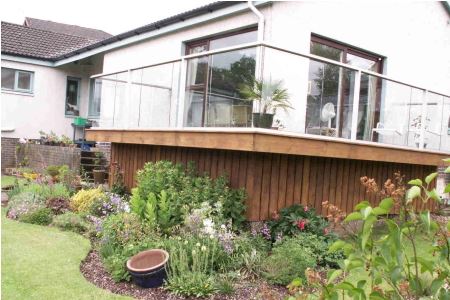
(93, 270)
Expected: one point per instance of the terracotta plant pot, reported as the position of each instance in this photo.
(99, 176)
(148, 268)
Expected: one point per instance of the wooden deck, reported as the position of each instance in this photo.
(276, 170)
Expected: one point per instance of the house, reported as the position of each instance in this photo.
(367, 85)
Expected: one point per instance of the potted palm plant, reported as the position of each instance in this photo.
(270, 95)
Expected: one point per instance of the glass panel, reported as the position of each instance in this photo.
(393, 120)
(445, 131)
(326, 51)
(433, 121)
(24, 81)
(228, 72)
(112, 93)
(362, 62)
(8, 78)
(95, 98)
(194, 108)
(234, 40)
(330, 100)
(72, 94)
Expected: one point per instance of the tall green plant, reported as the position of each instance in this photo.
(270, 95)
(396, 267)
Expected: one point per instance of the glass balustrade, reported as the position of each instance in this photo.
(268, 87)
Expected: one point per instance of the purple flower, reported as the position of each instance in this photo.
(265, 231)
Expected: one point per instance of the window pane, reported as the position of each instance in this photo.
(8, 78)
(233, 40)
(72, 97)
(95, 100)
(326, 51)
(24, 81)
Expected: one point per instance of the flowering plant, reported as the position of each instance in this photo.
(296, 219)
(111, 204)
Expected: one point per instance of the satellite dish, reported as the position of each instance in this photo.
(327, 113)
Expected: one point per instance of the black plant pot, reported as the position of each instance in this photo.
(152, 279)
(262, 120)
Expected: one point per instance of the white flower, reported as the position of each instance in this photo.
(185, 242)
(223, 226)
(179, 238)
(198, 244)
(203, 248)
(211, 236)
(193, 252)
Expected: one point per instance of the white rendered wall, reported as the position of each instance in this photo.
(44, 109)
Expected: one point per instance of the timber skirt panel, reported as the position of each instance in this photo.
(274, 181)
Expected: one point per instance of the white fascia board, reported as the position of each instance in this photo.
(171, 28)
(26, 60)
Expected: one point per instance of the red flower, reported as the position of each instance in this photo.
(301, 224)
(306, 208)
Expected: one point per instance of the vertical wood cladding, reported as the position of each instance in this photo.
(273, 181)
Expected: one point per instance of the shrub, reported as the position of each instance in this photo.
(42, 216)
(24, 203)
(288, 261)
(84, 199)
(71, 222)
(110, 204)
(58, 205)
(297, 219)
(165, 194)
(318, 246)
(47, 191)
(191, 268)
(53, 171)
(120, 230)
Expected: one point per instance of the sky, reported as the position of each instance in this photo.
(112, 16)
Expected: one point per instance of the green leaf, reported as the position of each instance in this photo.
(427, 265)
(433, 195)
(333, 274)
(362, 205)
(417, 182)
(379, 211)
(396, 274)
(447, 170)
(436, 285)
(387, 203)
(446, 160)
(447, 188)
(353, 217)
(430, 177)
(367, 230)
(365, 212)
(376, 296)
(425, 216)
(347, 286)
(338, 245)
(413, 193)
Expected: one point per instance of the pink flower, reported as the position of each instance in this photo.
(301, 224)
(306, 208)
(326, 231)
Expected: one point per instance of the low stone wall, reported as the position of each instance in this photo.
(8, 152)
(38, 157)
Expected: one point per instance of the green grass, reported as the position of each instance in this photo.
(43, 263)
(7, 180)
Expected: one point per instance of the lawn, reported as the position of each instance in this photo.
(7, 180)
(43, 263)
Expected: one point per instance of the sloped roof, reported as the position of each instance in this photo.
(29, 42)
(89, 33)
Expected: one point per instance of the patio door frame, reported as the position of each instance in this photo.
(347, 49)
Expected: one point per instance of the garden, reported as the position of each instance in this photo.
(388, 251)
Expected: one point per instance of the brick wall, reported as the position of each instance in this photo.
(38, 157)
(8, 152)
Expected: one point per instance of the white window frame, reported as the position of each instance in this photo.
(16, 81)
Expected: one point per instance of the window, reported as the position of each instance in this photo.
(17, 80)
(332, 86)
(73, 96)
(95, 94)
(212, 87)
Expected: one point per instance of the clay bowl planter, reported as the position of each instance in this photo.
(148, 268)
